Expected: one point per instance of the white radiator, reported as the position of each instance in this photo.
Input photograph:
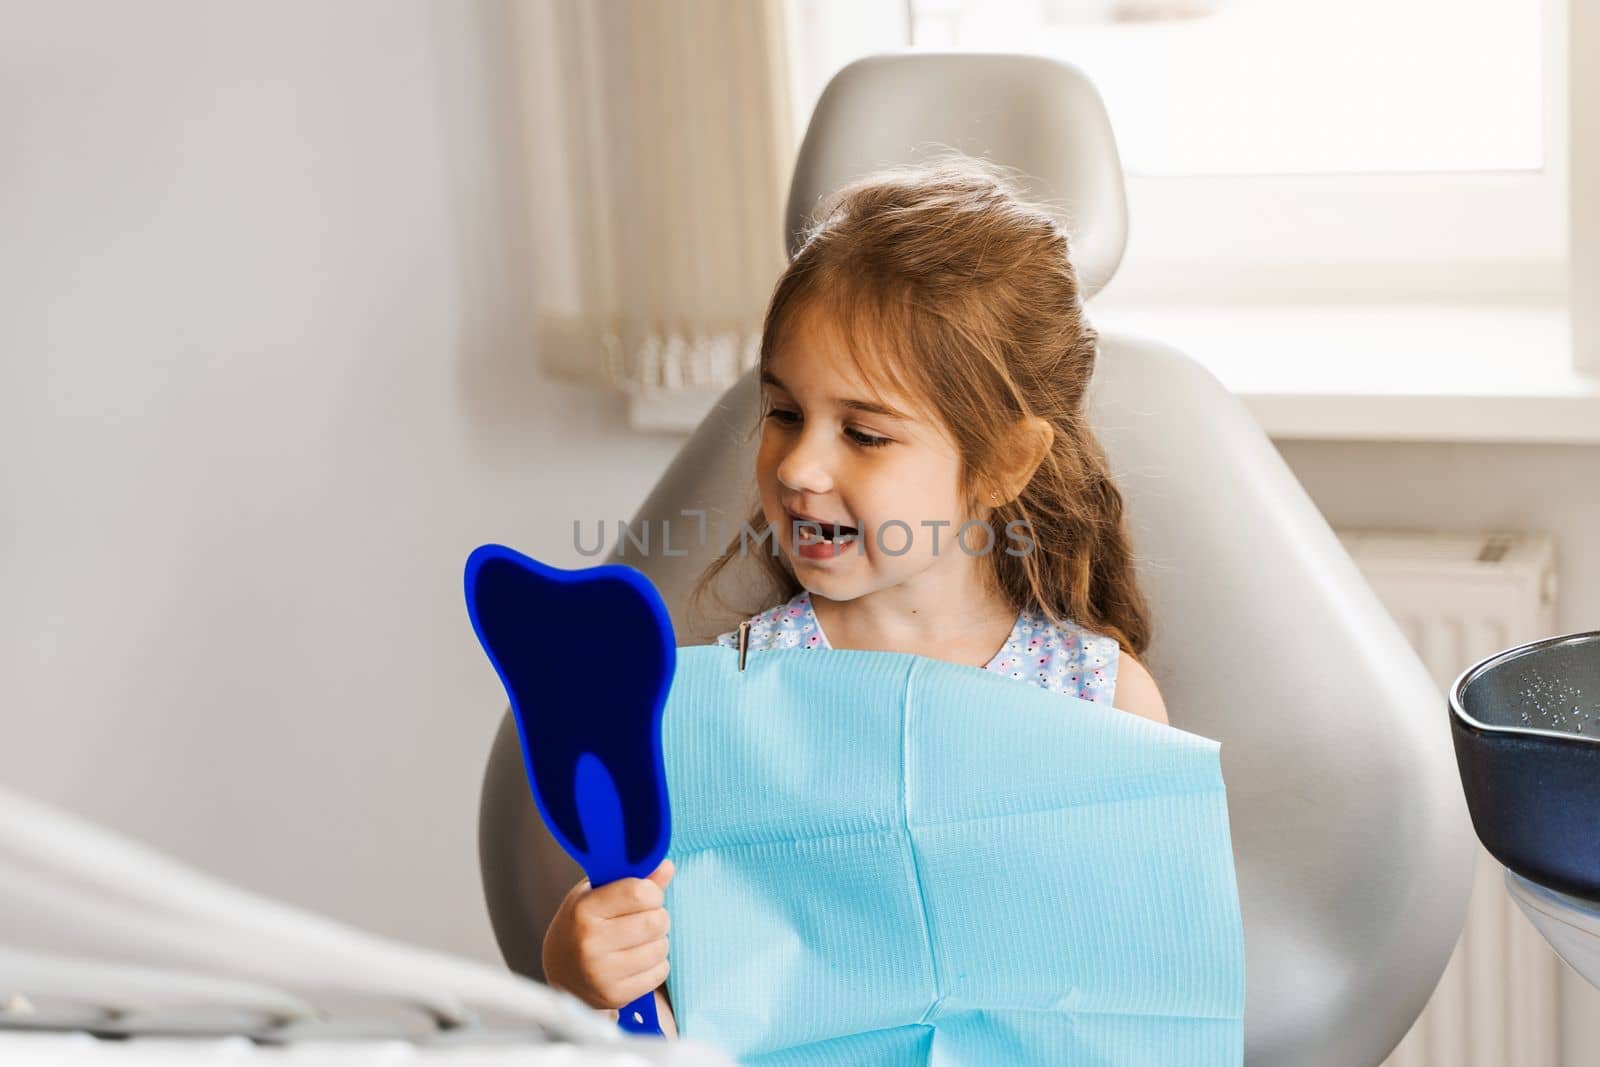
(1459, 598)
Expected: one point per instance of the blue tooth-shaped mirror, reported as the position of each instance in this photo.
(586, 657)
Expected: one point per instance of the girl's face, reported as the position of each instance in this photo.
(827, 453)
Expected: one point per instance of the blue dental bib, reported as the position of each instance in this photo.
(888, 859)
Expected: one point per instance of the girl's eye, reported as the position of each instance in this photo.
(867, 440)
(789, 418)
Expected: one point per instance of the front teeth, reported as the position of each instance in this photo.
(810, 533)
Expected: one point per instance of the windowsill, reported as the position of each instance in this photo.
(1401, 372)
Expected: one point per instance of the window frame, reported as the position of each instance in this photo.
(1582, 24)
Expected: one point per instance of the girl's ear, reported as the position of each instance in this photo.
(1028, 444)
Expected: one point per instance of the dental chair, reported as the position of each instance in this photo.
(1352, 842)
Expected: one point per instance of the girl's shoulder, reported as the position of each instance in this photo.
(1063, 657)
(787, 625)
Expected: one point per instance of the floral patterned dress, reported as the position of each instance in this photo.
(1067, 659)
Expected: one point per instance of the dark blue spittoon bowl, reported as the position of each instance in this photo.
(591, 740)
(1526, 724)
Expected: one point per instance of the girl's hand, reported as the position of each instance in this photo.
(608, 946)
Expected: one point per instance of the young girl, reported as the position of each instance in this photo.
(923, 366)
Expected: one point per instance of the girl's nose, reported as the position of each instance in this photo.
(806, 467)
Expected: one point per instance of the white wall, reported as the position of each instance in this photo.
(266, 378)
(1550, 488)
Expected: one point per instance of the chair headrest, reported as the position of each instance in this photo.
(1036, 114)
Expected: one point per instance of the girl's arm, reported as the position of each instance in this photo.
(1136, 692)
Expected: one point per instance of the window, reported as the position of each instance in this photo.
(1293, 150)
(1287, 86)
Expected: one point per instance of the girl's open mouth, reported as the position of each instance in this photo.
(815, 540)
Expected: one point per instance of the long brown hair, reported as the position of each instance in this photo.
(966, 297)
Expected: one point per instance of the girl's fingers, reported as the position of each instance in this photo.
(624, 897)
(624, 966)
(640, 984)
(629, 931)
